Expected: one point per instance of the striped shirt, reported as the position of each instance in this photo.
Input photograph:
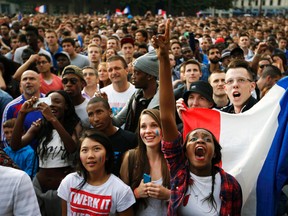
(17, 195)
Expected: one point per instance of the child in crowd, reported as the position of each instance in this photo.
(25, 157)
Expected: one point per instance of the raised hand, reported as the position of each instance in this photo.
(28, 105)
(162, 42)
(46, 111)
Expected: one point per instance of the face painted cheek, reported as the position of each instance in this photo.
(157, 133)
(101, 159)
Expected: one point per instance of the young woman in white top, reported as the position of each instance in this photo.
(93, 190)
(57, 134)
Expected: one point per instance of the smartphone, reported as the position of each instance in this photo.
(146, 178)
(46, 100)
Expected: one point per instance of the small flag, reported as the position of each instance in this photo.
(162, 13)
(41, 9)
(118, 11)
(20, 16)
(126, 10)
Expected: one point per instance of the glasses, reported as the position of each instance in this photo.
(41, 62)
(73, 81)
(240, 80)
(262, 66)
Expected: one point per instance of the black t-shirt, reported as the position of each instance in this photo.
(122, 141)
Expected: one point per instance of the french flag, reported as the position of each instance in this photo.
(118, 11)
(162, 13)
(126, 10)
(41, 9)
(254, 147)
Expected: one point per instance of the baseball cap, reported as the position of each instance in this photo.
(225, 53)
(219, 40)
(73, 69)
(62, 53)
(201, 87)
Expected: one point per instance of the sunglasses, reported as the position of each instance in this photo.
(73, 81)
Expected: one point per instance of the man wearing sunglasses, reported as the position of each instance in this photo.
(239, 85)
(73, 83)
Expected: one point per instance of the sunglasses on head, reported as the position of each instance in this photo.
(72, 81)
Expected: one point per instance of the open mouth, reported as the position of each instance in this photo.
(149, 138)
(199, 152)
(236, 94)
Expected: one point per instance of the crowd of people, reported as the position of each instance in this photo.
(91, 110)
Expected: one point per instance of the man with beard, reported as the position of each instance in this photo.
(217, 81)
(144, 78)
(32, 40)
(30, 85)
(214, 56)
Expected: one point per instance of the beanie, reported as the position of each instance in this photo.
(148, 63)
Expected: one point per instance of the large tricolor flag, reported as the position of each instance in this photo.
(254, 147)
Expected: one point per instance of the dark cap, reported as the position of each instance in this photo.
(225, 53)
(73, 69)
(127, 40)
(62, 53)
(236, 52)
(201, 87)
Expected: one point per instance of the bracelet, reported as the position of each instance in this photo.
(136, 193)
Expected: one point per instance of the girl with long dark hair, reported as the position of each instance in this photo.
(57, 134)
(198, 185)
(93, 189)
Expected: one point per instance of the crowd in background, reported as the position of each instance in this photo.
(101, 75)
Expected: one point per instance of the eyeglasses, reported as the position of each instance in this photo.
(262, 66)
(239, 80)
(41, 62)
(73, 81)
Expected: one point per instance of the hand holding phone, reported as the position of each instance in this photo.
(46, 100)
(146, 178)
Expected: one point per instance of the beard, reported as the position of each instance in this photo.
(215, 60)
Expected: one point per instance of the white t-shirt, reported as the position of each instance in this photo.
(56, 155)
(17, 193)
(117, 100)
(197, 192)
(107, 199)
(82, 113)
